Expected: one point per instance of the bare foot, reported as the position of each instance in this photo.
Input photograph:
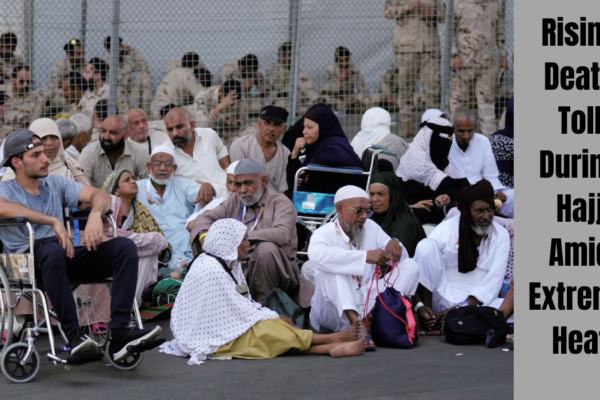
(363, 332)
(347, 335)
(355, 348)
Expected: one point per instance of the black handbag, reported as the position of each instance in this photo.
(475, 325)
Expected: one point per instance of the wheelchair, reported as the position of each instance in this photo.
(316, 209)
(20, 361)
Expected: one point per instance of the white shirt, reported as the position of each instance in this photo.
(483, 282)
(72, 152)
(3, 169)
(204, 166)
(476, 163)
(155, 138)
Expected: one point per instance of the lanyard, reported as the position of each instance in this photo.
(350, 247)
(242, 216)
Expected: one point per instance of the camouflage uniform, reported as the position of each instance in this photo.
(388, 86)
(229, 124)
(177, 64)
(417, 50)
(61, 68)
(7, 66)
(89, 99)
(256, 94)
(135, 82)
(20, 110)
(353, 85)
(478, 31)
(279, 81)
(179, 87)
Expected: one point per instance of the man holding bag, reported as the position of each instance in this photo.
(344, 254)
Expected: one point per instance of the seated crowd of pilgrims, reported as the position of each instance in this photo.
(435, 223)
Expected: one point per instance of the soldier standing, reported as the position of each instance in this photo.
(417, 51)
(478, 34)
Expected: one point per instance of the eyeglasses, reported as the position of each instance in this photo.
(361, 211)
(157, 164)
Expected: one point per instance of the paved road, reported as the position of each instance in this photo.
(432, 370)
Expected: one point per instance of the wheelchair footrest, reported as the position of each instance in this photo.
(144, 345)
(85, 358)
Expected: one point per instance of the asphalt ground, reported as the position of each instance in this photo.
(431, 370)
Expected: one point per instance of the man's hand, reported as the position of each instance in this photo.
(394, 250)
(503, 63)
(456, 62)
(500, 196)
(442, 200)
(227, 101)
(378, 257)
(205, 194)
(440, 317)
(94, 231)
(427, 317)
(63, 238)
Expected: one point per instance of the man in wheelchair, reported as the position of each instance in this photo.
(41, 198)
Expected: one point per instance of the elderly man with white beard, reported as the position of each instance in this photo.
(171, 201)
(463, 261)
(271, 221)
(344, 254)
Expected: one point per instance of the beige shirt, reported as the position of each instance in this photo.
(352, 85)
(97, 166)
(204, 166)
(179, 87)
(232, 119)
(248, 147)
(58, 71)
(20, 110)
(155, 138)
(7, 65)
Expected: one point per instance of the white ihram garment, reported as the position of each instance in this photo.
(478, 163)
(437, 257)
(339, 267)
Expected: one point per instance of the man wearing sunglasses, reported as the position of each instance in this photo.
(344, 254)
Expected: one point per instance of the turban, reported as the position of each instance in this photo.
(467, 249)
(349, 192)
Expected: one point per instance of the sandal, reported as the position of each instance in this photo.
(370, 347)
(98, 329)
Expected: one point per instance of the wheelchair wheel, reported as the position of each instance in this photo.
(11, 367)
(93, 308)
(129, 363)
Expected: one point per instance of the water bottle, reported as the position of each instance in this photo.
(505, 287)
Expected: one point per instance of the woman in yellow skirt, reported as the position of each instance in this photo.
(214, 316)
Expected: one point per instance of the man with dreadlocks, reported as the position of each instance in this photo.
(464, 260)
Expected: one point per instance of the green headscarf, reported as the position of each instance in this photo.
(398, 221)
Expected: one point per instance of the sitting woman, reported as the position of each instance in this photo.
(375, 129)
(426, 174)
(136, 222)
(503, 147)
(213, 315)
(392, 213)
(60, 164)
(325, 143)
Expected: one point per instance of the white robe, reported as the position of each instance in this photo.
(478, 163)
(339, 267)
(437, 257)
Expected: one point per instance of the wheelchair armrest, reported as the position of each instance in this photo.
(16, 221)
(82, 215)
(341, 170)
(389, 152)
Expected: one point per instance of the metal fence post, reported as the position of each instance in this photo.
(296, 21)
(28, 31)
(84, 5)
(447, 53)
(114, 59)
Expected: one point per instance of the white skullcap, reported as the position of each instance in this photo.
(231, 168)
(434, 113)
(349, 192)
(163, 149)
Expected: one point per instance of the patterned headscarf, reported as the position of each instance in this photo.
(111, 183)
(224, 237)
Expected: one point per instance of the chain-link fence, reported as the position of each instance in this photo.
(397, 54)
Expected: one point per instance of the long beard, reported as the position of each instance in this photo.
(356, 234)
(255, 198)
(481, 230)
(159, 181)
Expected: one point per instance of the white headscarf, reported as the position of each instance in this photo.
(209, 312)
(375, 126)
(416, 163)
